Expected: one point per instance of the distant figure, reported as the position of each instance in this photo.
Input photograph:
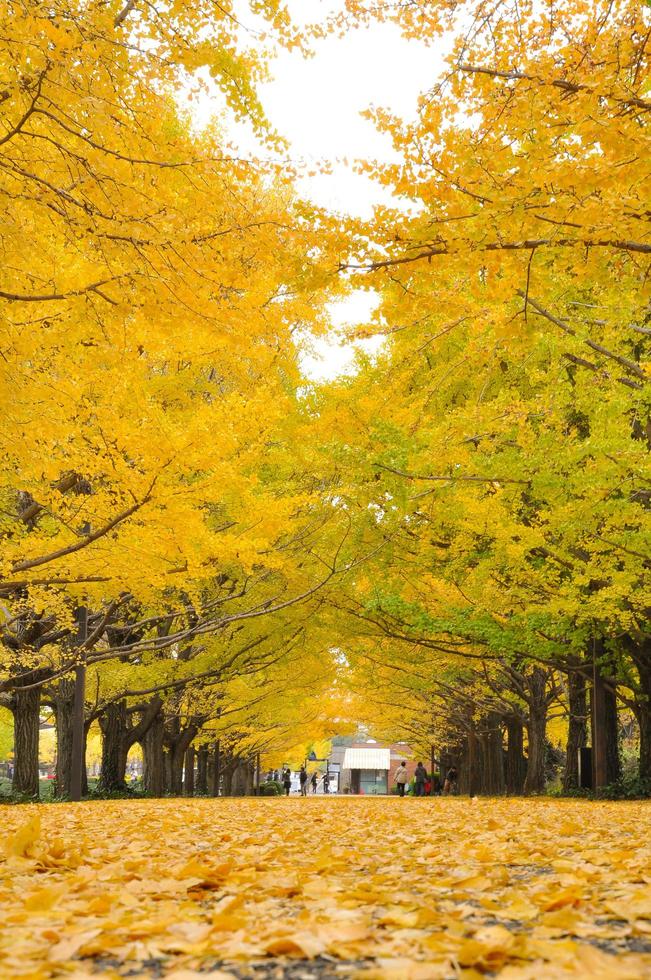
(314, 781)
(276, 776)
(303, 777)
(419, 778)
(269, 777)
(401, 777)
(287, 781)
(436, 784)
(450, 785)
(326, 783)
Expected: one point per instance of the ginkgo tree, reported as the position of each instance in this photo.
(500, 444)
(465, 519)
(151, 285)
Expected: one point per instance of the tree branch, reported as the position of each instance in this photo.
(560, 83)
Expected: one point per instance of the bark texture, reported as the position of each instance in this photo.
(516, 764)
(26, 706)
(63, 703)
(536, 731)
(202, 770)
(113, 725)
(577, 735)
(611, 720)
(188, 771)
(493, 757)
(153, 757)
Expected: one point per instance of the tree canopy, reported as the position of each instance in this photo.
(450, 545)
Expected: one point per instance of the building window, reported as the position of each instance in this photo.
(373, 781)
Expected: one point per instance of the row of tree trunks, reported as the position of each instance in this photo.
(168, 751)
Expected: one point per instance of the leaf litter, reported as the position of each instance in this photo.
(378, 889)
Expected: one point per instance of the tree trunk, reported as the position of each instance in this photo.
(471, 780)
(63, 711)
(26, 711)
(611, 720)
(153, 775)
(577, 735)
(188, 776)
(644, 720)
(227, 777)
(216, 769)
(536, 731)
(202, 771)
(639, 650)
(516, 765)
(176, 771)
(178, 742)
(493, 782)
(113, 723)
(240, 779)
(84, 770)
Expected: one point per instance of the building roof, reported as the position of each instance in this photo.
(367, 759)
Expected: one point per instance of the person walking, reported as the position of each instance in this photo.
(303, 778)
(314, 781)
(420, 777)
(401, 777)
(450, 784)
(287, 780)
(326, 783)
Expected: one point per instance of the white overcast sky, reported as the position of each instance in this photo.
(316, 104)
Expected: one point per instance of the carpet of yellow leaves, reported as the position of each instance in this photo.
(405, 889)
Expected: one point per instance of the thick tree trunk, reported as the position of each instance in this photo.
(26, 711)
(493, 781)
(577, 735)
(536, 732)
(178, 742)
(153, 758)
(202, 770)
(188, 774)
(516, 764)
(113, 723)
(174, 771)
(63, 710)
